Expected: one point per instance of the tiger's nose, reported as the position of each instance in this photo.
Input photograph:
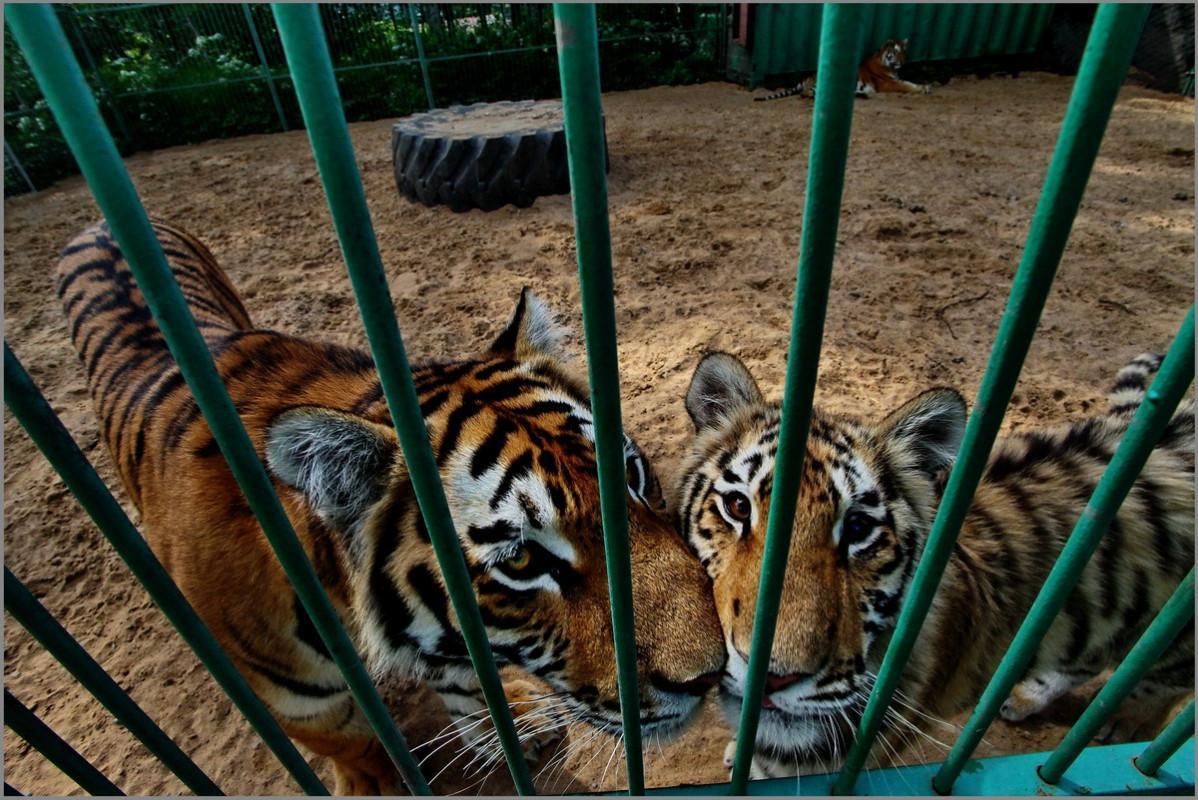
(697, 685)
(776, 683)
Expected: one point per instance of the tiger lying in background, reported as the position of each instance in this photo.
(868, 494)
(879, 73)
(512, 433)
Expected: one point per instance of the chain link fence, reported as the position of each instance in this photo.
(167, 74)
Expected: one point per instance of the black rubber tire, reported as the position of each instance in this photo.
(484, 155)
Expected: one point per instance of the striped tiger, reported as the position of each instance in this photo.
(513, 438)
(878, 73)
(867, 498)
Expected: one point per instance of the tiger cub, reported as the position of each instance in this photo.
(512, 432)
(879, 73)
(868, 494)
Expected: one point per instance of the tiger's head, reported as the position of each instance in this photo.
(512, 433)
(867, 496)
(893, 54)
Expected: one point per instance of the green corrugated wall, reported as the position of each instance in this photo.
(786, 36)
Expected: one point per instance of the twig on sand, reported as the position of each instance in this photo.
(939, 313)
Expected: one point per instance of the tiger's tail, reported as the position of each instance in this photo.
(798, 88)
(1131, 384)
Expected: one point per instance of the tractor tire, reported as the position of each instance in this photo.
(484, 155)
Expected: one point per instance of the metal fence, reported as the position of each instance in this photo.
(1165, 765)
(168, 74)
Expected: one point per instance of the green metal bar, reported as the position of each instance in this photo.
(836, 79)
(34, 414)
(44, 46)
(1176, 614)
(316, 88)
(34, 617)
(1176, 374)
(25, 724)
(582, 110)
(105, 90)
(1172, 737)
(16, 163)
(428, 84)
(266, 75)
(1113, 38)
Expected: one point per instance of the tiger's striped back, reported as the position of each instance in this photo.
(130, 371)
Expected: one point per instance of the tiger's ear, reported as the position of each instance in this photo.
(904, 42)
(339, 462)
(925, 433)
(533, 331)
(721, 385)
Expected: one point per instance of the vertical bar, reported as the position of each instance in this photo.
(34, 617)
(1108, 52)
(91, 63)
(52, 439)
(428, 84)
(41, 40)
(1166, 744)
(836, 79)
(1136, 445)
(266, 75)
(16, 163)
(316, 88)
(578, 68)
(25, 724)
(1177, 613)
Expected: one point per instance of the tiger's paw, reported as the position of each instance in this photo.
(542, 718)
(756, 771)
(1034, 694)
(926, 88)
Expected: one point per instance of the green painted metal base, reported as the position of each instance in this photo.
(1098, 771)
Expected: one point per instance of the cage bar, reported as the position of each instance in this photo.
(34, 617)
(25, 723)
(1112, 41)
(1176, 614)
(34, 414)
(1172, 737)
(316, 88)
(45, 48)
(840, 38)
(582, 111)
(1143, 433)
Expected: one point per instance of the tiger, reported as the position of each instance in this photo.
(868, 493)
(878, 73)
(513, 436)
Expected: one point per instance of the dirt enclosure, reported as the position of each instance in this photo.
(706, 193)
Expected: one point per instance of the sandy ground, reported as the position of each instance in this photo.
(706, 199)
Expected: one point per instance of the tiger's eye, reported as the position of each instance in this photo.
(519, 559)
(738, 506)
(856, 526)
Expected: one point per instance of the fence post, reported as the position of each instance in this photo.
(16, 164)
(34, 414)
(582, 112)
(35, 618)
(1177, 612)
(270, 81)
(104, 89)
(1108, 53)
(1172, 737)
(840, 40)
(1135, 447)
(25, 724)
(428, 84)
